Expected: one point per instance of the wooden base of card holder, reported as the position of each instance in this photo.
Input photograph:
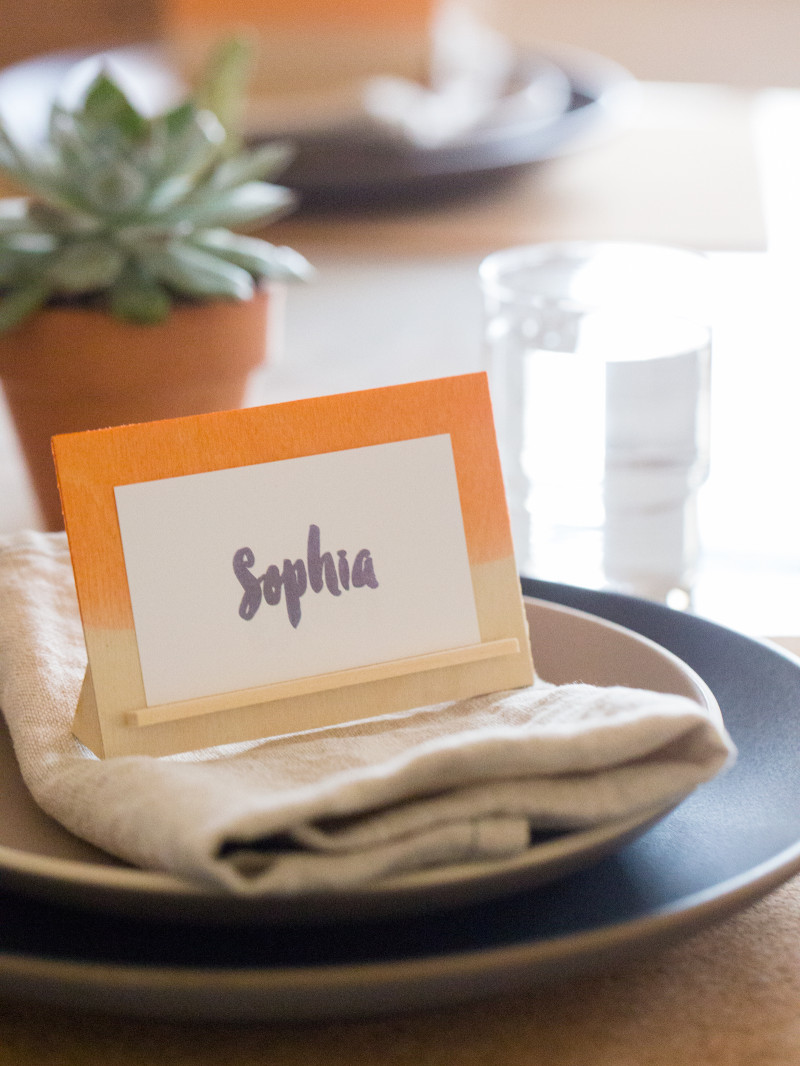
(173, 712)
(86, 721)
(86, 725)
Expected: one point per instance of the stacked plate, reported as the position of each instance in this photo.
(79, 928)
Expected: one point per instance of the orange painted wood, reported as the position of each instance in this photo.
(89, 466)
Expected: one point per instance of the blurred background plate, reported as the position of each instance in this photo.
(334, 170)
(552, 101)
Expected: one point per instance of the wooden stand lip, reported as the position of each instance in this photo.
(225, 701)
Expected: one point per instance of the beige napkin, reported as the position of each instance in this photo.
(341, 806)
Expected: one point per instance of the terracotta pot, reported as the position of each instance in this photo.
(69, 369)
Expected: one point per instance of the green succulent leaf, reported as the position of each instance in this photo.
(18, 304)
(194, 140)
(85, 266)
(32, 173)
(48, 218)
(43, 176)
(23, 259)
(14, 216)
(255, 201)
(286, 264)
(67, 139)
(262, 163)
(258, 257)
(107, 106)
(132, 206)
(97, 171)
(169, 193)
(178, 119)
(28, 243)
(137, 297)
(221, 89)
(12, 158)
(10, 271)
(192, 271)
(115, 190)
(187, 163)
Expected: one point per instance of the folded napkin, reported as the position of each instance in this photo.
(341, 806)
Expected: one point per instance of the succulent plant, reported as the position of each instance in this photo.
(133, 212)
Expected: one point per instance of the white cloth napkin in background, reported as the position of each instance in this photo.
(341, 806)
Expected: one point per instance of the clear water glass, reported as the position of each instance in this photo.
(599, 359)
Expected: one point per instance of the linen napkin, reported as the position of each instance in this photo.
(341, 806)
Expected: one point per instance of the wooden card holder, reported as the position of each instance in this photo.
(117, 713)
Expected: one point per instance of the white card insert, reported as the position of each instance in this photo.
(198, 546)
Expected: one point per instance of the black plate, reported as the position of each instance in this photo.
(335, 171)
(729, 843)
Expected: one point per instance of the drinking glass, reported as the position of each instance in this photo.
(599, 360)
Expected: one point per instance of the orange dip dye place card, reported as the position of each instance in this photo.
(257, 572)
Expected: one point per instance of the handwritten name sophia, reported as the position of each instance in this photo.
(291, 581)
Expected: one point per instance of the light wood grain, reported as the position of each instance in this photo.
(362, 675)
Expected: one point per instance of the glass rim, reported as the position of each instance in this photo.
(496, 271)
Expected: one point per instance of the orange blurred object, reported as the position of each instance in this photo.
(307, 50)
(310, 13)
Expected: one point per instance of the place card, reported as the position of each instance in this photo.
(252, 573)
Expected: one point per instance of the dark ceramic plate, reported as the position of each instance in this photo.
(728, 844)
(336, 170)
